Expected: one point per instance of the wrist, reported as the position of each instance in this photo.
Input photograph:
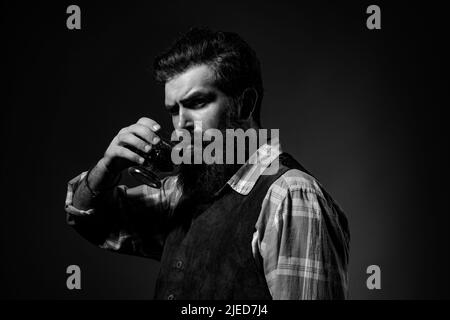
(102, 168)
(100, 178)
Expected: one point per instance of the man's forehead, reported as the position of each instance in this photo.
(197, 78)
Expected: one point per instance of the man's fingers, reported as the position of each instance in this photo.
(149, 123)
(126, 153)
(129, 139)
(132, 143)
(144, 133)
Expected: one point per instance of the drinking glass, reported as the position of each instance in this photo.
(158, 163)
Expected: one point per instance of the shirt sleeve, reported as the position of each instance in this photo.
(303, 245)
(124, 220)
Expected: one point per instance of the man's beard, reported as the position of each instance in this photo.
(200, 182)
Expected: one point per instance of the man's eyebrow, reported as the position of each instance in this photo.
(194, 96)
(197, 96)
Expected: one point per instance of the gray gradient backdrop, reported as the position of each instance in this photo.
(358, 108)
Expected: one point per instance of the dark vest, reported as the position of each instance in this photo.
(207, 253)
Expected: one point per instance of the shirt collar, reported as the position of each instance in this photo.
(246, 177)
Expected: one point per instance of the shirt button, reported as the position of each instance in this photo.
(179, 264)
(170, 297)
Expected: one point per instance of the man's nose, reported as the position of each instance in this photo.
(185, 120)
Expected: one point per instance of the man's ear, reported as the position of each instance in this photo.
(248, 100)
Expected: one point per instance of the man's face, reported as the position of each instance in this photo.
(192, 96)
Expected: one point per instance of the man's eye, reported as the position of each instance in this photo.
(198, 105)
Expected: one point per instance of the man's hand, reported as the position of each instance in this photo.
(125, 150)
(128, 146)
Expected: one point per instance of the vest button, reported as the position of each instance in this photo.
(170, 297)
(179, 264)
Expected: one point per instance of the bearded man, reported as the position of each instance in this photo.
(220, 230)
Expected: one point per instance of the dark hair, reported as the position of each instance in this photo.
(233, 61)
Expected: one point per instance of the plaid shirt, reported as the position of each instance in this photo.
(298, 239)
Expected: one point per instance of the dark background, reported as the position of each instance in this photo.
(361, 109)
